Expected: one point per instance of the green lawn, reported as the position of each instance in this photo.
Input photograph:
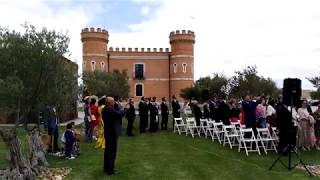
(164, 155)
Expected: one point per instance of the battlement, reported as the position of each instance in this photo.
(97, 30)
(129, 49)
(183, 32)
(94, 34)
(183, 35)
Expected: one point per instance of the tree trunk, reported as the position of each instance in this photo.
(37, 158)
(19, 167)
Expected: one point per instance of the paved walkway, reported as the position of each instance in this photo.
(77, 121)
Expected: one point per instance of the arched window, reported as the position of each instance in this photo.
(184, 67)
(102, 66)
(93, 65)
(175, 68)
(139, 90)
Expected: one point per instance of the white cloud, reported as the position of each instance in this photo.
(65, 17)
(280, 37)
(145, 10)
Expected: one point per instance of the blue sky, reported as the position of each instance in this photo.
(282, 38)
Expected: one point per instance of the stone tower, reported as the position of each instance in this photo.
(94, 49)
(181, 61)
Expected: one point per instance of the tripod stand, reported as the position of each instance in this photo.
(290, 148)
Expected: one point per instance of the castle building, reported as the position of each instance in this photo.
(152, 72)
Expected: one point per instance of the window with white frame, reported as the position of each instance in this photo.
(175, 67)
(184, 67)
(93, 65)
(139, 71)
(102, 65)
(139, 90)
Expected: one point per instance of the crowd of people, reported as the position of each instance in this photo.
(104, 115)
(298, 125)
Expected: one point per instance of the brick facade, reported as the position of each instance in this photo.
(165, 72)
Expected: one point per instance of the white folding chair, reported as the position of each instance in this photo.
(274, 134)
(267, 142)
(231, 135)
(192, 127)
(218, 131)
(210, 129)
(179, 126)
(247, 136)
(204, 126)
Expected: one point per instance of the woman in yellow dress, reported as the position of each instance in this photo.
(100, 144)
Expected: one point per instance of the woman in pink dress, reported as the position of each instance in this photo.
(306, 136)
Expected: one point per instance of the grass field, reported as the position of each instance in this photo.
(164, 155)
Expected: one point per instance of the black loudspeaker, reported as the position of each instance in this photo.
(291, 91)
(205, 95)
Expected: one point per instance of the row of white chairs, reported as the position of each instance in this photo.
(234, 134)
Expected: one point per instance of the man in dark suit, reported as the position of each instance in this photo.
(111, 115)
(164, 114)
(143, 113)
(154, 115)
(130, 115)
(51, 122)
(197, 112)
(175, 108)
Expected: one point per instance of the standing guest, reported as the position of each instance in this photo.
(224, 112)
(154, 112)
(100, 144)
(271, 112)
(234, 112)
(214, 110)
(249, 108)
(111, 116)
(51, 122)
(206, 112)
(164, 114)
(95, 117)
(316, 116)
(118, 103)
(261, 113)
(130, 115)
(76, 146)
(87, 119)
(185, 110)
(143, 113)
(197, 112)
(175, 108)
(287, 133)
(306, 137)
(69, 142)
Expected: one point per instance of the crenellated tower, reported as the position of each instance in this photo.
(94, 49)
(181, 61)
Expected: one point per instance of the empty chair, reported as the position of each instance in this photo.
(210, 129)
(267, 142)
(274, 134)
(218, 131)
(204, 126)
(248, 141)
(192, 127)
(179, 126)
(231, 135)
